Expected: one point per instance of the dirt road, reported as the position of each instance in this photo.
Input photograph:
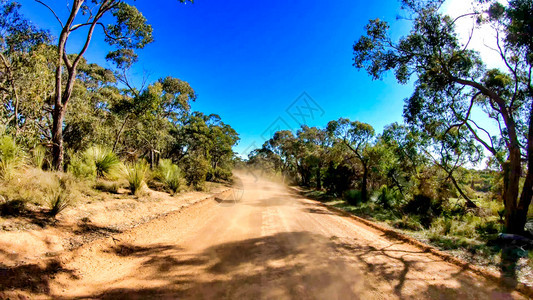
(271, 245)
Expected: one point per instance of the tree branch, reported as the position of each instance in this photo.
(53, 12)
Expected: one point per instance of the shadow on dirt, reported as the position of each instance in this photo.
(34, 278)
(370, 256)
(288, 265)
(19, 209)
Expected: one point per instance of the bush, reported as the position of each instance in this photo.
(38, 155)
(95, 162)
(196, 168)
(218, 174)
(11, 157)
(59, 199)
(387, 197)
(82, 167)
(353, 197)
(106, 162)
(169, 174)
(408, 222)
(338, 179)
(135, 174)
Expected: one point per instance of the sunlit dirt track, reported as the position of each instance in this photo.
(273, 244)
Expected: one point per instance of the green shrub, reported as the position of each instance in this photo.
(338, 179)
(488, 227)
(38, 155)
(169, 174)
(135, 174)
(441, 226)
(388, 197)
(82, 167)
(107, 163)
(59, 199)
(408, 222)
(95, 162)
(217, 174)
(11, 157)
(196, 168)
(353, 197)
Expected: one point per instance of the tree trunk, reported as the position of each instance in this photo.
(518, 218)
(511, 179)
(318, 178)
(469, 203)
(57, 137)
(364, 191)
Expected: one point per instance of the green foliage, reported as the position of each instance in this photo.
(425, 207)
(95, 162)
(338, 179)
(452, 81)
(82, 166)
(218, 174)
(11, 157)
(196, 168)
(136, 174)
(38, 155)
(408, 222)
(105, 161)
(388, 197)
(169, 174)
(353, 197)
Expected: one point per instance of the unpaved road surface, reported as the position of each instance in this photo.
(271, 245)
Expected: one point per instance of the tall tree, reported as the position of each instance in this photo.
(128, 30)
(357, 137)
(452, 80)
(18, 40)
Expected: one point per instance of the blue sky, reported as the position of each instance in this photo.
(249, 61)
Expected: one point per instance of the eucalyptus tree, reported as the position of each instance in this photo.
(19, 39)
(128, 30)
(452, 82)
(149, 116)
(317, 143)
(357, 137)
(223, 138)
(282, 145)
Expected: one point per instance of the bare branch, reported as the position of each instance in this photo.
(53, 12)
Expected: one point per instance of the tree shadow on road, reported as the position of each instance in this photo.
(34, 278)
(279, 265)
(399, 268)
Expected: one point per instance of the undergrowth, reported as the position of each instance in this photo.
(136, 173)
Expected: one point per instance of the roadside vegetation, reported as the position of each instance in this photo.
(444, 175)
(68, 126)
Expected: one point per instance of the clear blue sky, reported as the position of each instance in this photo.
(249, 60)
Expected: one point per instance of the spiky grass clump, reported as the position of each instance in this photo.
(11, 157)
(135, 174)
(107, 163)
(169, 174)
(38, 156)
(95, 162)
(59, 198)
